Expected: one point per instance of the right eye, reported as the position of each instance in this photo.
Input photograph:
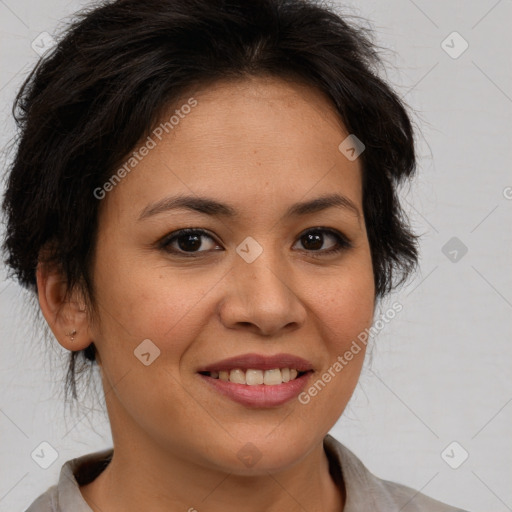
(185, 242)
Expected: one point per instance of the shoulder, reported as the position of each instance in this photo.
(410, 499)
(365, 491)
(45, 502)
(65, 496)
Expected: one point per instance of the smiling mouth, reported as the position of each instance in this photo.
(254, 377)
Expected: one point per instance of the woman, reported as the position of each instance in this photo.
(204, 201)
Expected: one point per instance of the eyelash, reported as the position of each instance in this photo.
(342, 241)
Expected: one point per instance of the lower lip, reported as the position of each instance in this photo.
(259, 395)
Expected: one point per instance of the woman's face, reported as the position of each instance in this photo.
(253, 284)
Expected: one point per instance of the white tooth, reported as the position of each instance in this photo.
(272, 377)
(285, 374)
(237, 376)
(254, 377)
(214, 375)
(223, 375)
(293, 373)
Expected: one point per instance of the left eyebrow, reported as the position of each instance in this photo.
(209, 206)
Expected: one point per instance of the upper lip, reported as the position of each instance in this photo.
(259, 362)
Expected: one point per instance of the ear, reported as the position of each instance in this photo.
(66, 316)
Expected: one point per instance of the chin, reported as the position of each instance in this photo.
(260, 454)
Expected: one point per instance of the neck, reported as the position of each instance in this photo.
(144, 477)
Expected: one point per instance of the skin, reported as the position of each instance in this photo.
(259, 145)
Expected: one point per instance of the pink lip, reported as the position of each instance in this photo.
(261, 395)
(259, 362)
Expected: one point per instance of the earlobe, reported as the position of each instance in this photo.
(66, 317)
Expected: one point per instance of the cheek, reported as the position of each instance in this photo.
(343, 312)
(344, 305)
(343, 323)
(151, 303)
(139, 302)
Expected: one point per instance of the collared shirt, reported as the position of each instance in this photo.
(364, 491)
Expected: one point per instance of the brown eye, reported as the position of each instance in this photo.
(186, 241)
(314, 239)
(189, 242)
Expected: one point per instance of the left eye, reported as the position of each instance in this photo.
(314, 239)
(188, 241)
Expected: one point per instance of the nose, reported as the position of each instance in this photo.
(261, 297)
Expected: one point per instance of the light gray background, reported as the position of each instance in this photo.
(441, 370)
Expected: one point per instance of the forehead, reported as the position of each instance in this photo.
(260, 141)
(255, 113)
